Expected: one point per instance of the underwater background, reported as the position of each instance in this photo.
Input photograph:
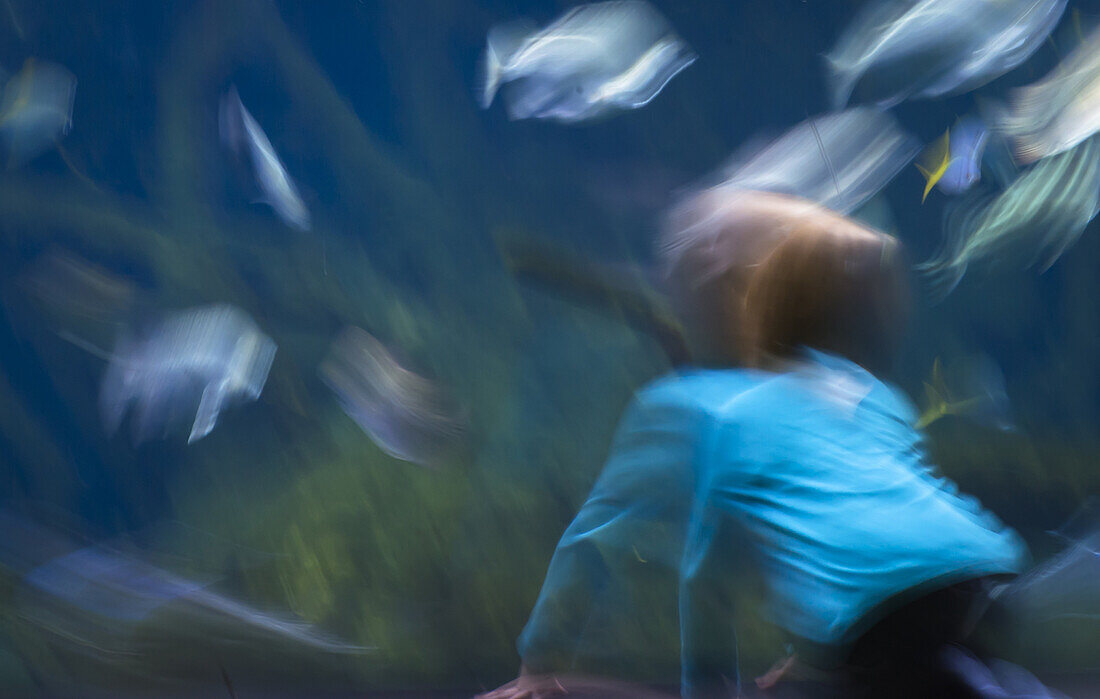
(505, 259)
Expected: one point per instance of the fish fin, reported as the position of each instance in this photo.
(934, 162)
(935, 390)
(503, 41)
(928, 417)
(934, 410)
(930, 180)
(491, 78)
(213, 396)
(255, 376)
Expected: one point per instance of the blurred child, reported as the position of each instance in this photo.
(875, 566)
(640, 506)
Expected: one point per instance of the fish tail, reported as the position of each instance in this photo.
(934, 162)
(503, 41)
(210, 406)
(840, 79)
(932, 414)
(490, 81)
(929, 181)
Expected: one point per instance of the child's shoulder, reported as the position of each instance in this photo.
(703, 390)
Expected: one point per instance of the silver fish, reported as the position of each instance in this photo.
(1058, 112)
(594, 59)
(214, 353)
(904, 49)
(125, 590)
(36, 109)
(408, 416)
(1043, 212)
(98, 597)
(240, 132)
(837, 160)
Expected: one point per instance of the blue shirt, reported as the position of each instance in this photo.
(822, 469)
(638, 509)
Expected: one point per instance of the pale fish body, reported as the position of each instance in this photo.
(239, 129)
(407, 415)
(1059, 111)
(1037, 217)
(595, 58)
(215, 354)
(967, 146)
(837, 160)
(905, 49)
(36, 109)
(96, 597)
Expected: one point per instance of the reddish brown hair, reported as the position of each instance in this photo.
(832, 285)
(712, 244)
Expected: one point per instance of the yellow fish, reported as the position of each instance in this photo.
(934, 162)
(935, 390)
(941, 402)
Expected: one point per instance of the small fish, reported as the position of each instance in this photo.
(36, 109)
(1058, 112)
(214, 353)
(407, 415)
(95, 593)
(109, 584)
(904, 49)
(954, 161)
(241, 133)
(838, 160)
(592, 60)
(973, 387)
(1041, 213)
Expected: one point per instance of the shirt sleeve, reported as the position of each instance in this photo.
(708, 641)
(638, 510)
